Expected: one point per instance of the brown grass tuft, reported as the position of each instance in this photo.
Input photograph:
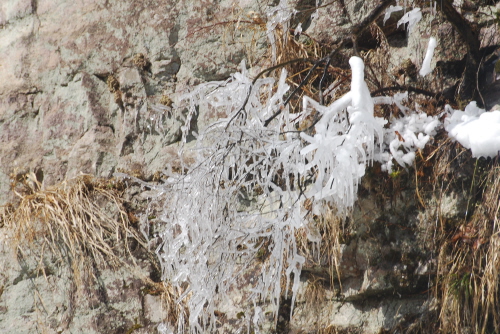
(76, 220)
(469, 267)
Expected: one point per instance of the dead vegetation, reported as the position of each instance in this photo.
(469, 264)
(320, 243)
(84, 224)
(76, 220)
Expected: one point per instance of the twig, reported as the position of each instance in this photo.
(303, 82)
(321, 98)
(272, 68)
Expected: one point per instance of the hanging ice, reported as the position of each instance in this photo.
(391, 10)
(412, 18)
(343, 143)
(426, 65)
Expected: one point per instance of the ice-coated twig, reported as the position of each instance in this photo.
(426, 65)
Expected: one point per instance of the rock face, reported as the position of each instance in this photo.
(79, 80)
(92, 86)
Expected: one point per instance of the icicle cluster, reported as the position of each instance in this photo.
(279, 15)
(245, 187)
(344, 142)
(238, 197)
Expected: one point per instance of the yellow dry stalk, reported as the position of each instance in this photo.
(470, 270)
(176, 309)
(314, 294)
(80, 220)
(328, 229)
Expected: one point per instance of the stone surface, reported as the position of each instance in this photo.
(58, 114)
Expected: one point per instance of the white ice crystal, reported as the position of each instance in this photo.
(426, 65)
(405, 134)
(475, 129)
(279, 15)
(344, 142)
(391, 10)
(412, 18)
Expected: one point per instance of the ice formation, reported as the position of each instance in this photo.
(426, 65)
(412, 18)
(405, 135)
(213, 224)
(244, 187)
(298, 30)
(475, 129)
(344, 142)
(391, 10)
(279, 15)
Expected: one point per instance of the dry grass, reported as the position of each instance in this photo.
(84, 224)
(177, 312)
(328, 229)
(469, 265)
(288, 48)
(77, 220)
(314, 294)
(332, 329)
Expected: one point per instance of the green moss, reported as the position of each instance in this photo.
(240, 315)
(461, 286)
(133, 328)
(395, 174)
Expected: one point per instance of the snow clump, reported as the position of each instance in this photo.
(475, 129)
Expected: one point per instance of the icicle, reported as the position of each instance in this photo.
(426, 65)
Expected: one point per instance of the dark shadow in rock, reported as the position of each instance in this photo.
(128, 144)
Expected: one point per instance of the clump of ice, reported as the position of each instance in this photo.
(391, 10)
(298, 30)
(426, 65)
(278, 15)
(344, 142)
(412, 18)
(405, 135)
(475, 129)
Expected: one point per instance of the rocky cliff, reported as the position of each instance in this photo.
(92, 88)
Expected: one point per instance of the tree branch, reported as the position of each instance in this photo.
(469, 33)
(356, 32)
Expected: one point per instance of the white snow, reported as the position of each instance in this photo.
(475, 129)
(426, 65)
(298, 30)
(361, 99)
(412, 18)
